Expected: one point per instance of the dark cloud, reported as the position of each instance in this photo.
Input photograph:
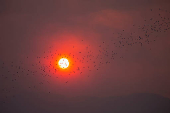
(132, 103)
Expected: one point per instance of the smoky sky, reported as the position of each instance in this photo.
(31, 28)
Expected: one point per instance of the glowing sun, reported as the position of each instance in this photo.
(63, 63)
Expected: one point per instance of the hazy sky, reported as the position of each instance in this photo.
(30, 27)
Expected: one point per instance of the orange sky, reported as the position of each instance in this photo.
(28, 31)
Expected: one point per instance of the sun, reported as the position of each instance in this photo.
(63, 63)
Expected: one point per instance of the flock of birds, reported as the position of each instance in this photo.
(90, 60)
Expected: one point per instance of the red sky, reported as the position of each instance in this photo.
(28, 28)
